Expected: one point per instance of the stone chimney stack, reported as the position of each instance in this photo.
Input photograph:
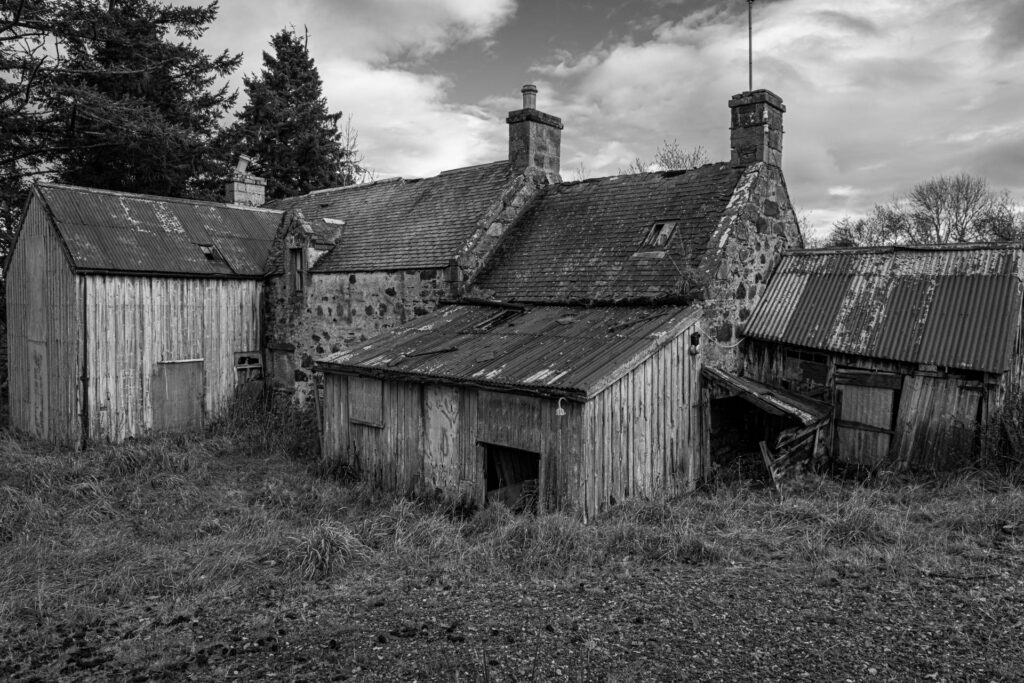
(756, 128)
(534, 138)
(244, 188)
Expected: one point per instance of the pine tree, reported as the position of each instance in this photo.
(286, 127)
(115, 95)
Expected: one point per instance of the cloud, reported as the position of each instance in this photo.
(409, 29)
(881, 94)
(406, 126)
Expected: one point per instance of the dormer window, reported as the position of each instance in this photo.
(659, 235)
(209, 252)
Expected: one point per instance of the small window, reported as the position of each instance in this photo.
(210, 252)
(366, 401)
(248, 366)
(659, 235)
(296, 267)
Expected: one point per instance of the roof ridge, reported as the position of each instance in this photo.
(668, 173)
(908, 248)
(157, 198)
(354, 186)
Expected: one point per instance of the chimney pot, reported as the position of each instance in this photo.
(529, 96)
(243, 163)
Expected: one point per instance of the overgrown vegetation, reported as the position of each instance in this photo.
(171, 523)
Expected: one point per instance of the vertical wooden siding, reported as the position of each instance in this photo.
(135, 322)
(938, 419)
(643, 434)
(431, 434)
(43, 334)
(937, 416)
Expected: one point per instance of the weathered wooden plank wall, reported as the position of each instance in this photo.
(643, 434)
(430, 437)
(936, 412)
(43, 334)
(938, 417)
(640, 436)
(133, 323)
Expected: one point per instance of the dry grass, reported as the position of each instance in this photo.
(176, 521)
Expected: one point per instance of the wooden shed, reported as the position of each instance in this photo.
(555, 407)
(914, 347)
(129, 313)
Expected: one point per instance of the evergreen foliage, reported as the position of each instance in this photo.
(114, 95)
(286, 128)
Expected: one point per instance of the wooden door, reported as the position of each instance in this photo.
(938, 422)
(865, 403)
(177, 394)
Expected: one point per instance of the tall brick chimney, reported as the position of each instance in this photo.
(534, 138)
(756, 128)
(245, 188)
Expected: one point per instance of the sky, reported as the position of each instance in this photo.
(880, 94)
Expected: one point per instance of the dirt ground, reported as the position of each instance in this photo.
(625, 623)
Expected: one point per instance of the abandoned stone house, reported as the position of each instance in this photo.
(540, 374)
(652, 275)
(352, 262)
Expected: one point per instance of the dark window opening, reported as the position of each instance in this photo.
(805, 372)
(659, 235)
(248, 366)
(210, 252)
(512, 477)
(296, 268)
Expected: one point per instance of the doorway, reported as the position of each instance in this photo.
(512, 477)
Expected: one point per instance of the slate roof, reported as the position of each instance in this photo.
(402, 224)
(122, 232)
(949, 306)
(548, 350)
(578, 242)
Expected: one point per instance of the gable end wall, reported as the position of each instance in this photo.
(757, 226)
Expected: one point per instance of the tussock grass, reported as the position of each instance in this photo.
(244, 508)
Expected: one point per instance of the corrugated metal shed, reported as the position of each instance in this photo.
(119, 232)
(583, 241)
(550, 350)
(950, 306)
(403, 224)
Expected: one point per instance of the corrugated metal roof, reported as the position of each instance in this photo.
(955, 307)
(122, 232)
(546, 349)
(807, 410)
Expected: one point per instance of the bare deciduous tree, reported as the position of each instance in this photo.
(669, 157)
(943, 210)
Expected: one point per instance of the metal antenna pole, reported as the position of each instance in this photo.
(750, 43)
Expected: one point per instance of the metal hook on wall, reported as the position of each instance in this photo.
(560, 411)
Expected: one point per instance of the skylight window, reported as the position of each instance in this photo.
(209, 252)
(659, 235)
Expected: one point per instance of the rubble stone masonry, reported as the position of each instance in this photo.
(757, 226)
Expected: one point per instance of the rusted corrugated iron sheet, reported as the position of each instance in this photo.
(944, 306)
(117, 232)
(547, 349)
(807, 410)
